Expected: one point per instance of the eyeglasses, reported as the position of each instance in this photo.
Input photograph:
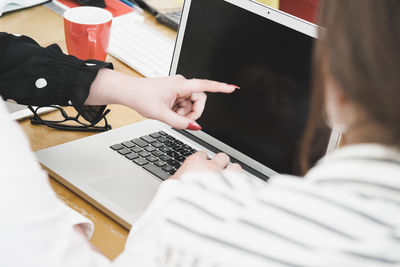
(64, 122)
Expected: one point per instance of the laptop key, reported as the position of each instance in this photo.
(144, 154)
(180, 158)
(175, 147)
(173, 163)
(162, 139)
(132, 156)
(152, 158)
(148, 139)
(180, 150)
(170, 137)
(160, 163)
(172, 172)
(186, 153)
(155, 135)
(187, 147)
(163, 175)
(140, 161)
(169, 143)
(140, 142)
(150, 149)
(162, 133)
(168, 168)
(117, 147)
(124, 151)
(165, 158)
(172, 154)
(165, 149)
(178, 142)
(157, 144)
(158, 153)
(128, 144)
(137, 149)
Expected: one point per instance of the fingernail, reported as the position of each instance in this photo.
(237, 87)
(194, 126)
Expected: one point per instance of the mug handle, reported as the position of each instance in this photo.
(92, 38)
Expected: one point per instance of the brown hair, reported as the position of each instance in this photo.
(361, 50)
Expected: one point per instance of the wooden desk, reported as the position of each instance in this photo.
(46, 27)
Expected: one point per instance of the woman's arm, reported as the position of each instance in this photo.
(174, 100)
(34, 75)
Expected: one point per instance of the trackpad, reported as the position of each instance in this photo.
(130, 191)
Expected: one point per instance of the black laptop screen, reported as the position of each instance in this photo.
(266, 118)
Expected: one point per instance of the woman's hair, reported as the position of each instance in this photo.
(361, 51)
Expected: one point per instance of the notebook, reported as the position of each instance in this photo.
(263, 50)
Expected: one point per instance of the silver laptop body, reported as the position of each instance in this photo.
(122, 188)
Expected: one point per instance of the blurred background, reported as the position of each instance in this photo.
(305, 9)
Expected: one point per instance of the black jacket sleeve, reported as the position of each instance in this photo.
(34, 75)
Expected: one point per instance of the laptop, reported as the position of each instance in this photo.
(263, 50)
(19, 112)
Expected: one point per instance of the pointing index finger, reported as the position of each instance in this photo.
(200, 85)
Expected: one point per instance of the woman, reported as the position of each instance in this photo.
(346, 210)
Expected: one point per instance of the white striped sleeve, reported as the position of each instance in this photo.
(227, 219)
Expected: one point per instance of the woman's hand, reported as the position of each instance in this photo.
(200, 162)
(174, 100)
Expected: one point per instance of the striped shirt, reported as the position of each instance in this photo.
(345, 212)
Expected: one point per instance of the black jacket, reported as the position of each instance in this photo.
(34, 75)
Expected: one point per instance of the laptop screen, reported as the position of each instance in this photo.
(271, 63)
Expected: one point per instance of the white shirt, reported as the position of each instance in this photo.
(345, 212)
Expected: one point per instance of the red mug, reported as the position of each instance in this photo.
(87, 32)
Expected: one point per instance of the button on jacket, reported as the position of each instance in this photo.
(34, 75)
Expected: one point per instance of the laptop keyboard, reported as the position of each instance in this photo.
(159, 153)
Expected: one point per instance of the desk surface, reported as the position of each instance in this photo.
(46, 27)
